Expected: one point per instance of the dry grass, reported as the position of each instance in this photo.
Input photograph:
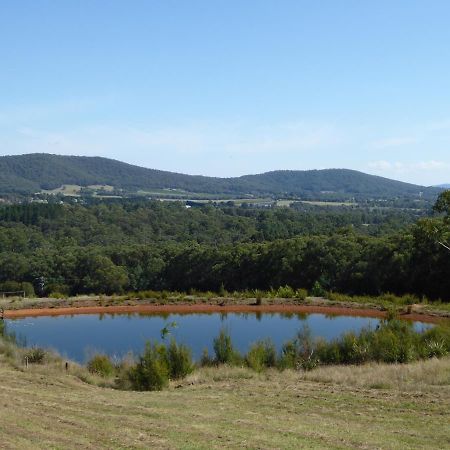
(334, 407)
(428, 376)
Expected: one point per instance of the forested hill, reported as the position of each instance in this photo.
(31, 173)
(125, 245)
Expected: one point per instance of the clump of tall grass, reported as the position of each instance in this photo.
(385, 300)
(101, 365)
(35, 355)
(57, 295)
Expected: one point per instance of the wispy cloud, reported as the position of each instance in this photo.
(31, 113)
(431, 168)
(439, 125)
(394, 142)
(185, 147)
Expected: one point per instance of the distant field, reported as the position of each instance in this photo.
(319, 203)
(102, 187)
(375, 406)
(285, 203)
(70, 190)
(236, 201)
(73, 190)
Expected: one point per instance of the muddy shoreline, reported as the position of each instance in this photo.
(215, 308)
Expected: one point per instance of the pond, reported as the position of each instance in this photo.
(78, 337)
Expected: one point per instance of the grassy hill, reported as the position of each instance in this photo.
(372, 406)
(25, 174)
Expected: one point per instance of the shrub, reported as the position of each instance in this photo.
(59, 288)
(180, 360)
(299, 353)
(206, 360)
(285, 292)
(435, 349)
(262, 354)
(393, 341)
(223, 349)
(101, 365)
(57, 295)
(35, 355)
(317, 290)
(259, 297)
(436, 341)
(29, 289)
(301, 294)
(222, 291)
(151, 373)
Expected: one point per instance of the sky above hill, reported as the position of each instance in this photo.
(227, 88)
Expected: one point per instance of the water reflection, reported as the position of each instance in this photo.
(78, 336)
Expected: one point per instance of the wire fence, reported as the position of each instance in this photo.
(4, 294)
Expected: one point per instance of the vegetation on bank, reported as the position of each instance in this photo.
(392, 341)
(366, 405)
(284, 295)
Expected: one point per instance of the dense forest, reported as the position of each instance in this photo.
(27, 174)
(137, 245)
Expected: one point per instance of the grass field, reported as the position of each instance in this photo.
(324, 203)
(374, 406)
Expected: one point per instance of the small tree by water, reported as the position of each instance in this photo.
(151, 373)
(223, 348)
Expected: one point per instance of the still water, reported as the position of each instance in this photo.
(78, 337)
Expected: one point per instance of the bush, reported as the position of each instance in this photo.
(149, 294)
(285, 292)
(180, 360)
(301, 294)
(151, 373)
(258, 297)
(101, 365)
(35, 355)
(29, 289)
(57, 295)
(222, 291)
(58, 288)
(223, 349)
(262, 354)
(317, 290)
(435, 349)
(299, 353)
(206, 360)
(393, 341)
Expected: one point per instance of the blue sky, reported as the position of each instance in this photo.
(226, 88)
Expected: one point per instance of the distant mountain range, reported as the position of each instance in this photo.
(31, 173)
(445, 186)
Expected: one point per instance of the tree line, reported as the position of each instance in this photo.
(138, 246)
